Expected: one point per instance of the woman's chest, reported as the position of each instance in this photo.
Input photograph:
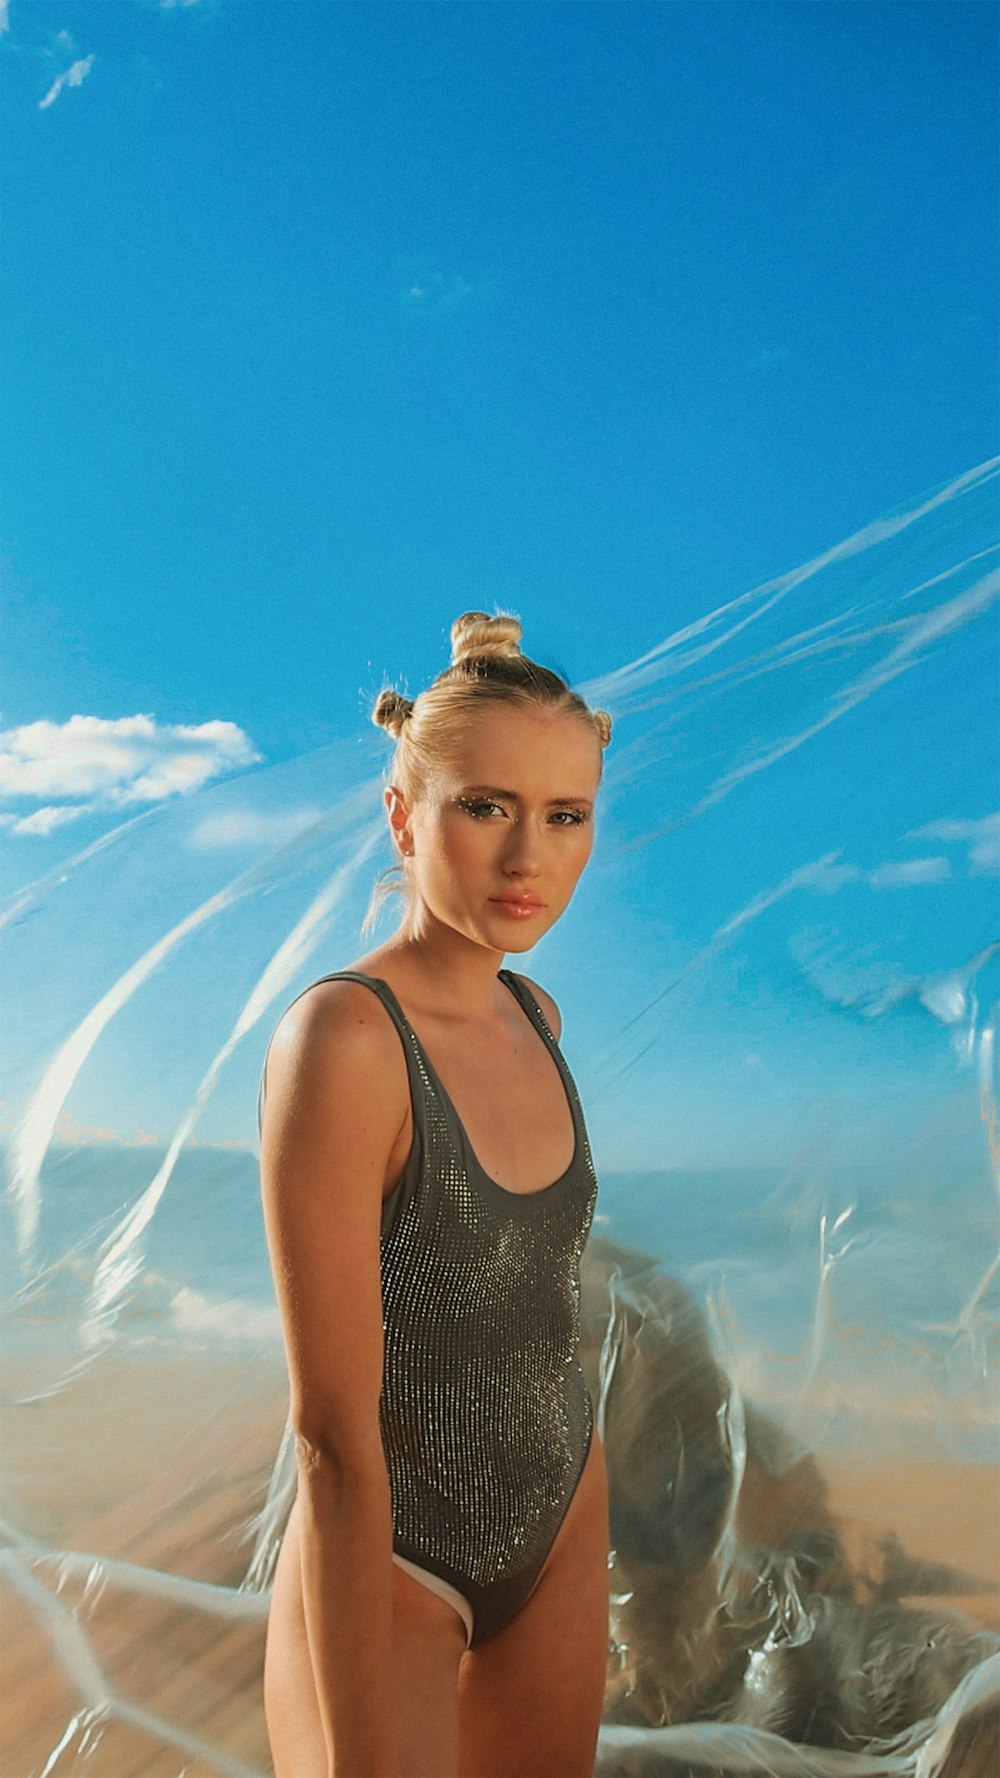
(512, 1103)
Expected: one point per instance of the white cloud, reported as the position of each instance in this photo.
(896, 873)
(75, 75)
(828, 876)
(249, 827)
(438, 292)
(4, 17)
(982, 838)
(872, 986)
(904, 873)
(67, 1130)
(91, 763)
(40, 821)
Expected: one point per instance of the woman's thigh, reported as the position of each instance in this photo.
(530, 1699)
(428, 1640)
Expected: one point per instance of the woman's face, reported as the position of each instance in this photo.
(500, 843)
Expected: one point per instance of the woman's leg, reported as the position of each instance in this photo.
(428, 1642)
(530, 1699)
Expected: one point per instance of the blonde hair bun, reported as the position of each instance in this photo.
(391, 711)
(475, 634)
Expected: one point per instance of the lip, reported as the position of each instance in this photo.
(522, 905)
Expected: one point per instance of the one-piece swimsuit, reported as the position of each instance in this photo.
(485, 1415)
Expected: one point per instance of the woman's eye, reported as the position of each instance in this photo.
(477, 807)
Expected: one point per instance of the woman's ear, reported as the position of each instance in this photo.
(398, 818)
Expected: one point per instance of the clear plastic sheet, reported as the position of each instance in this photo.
(789, 1300)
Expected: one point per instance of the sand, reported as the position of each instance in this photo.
(163, 1464)
(155, 1463)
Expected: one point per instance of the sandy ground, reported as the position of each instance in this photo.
(151, 1463)
(164, 1465)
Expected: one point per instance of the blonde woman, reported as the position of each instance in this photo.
(440, 1602)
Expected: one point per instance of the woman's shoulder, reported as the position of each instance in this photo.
(333, 1020)
(333, 1001)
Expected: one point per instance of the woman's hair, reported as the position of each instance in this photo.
(487, 667)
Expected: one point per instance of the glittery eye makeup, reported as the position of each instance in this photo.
(476, 805)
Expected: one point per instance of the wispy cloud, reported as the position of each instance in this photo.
(872, 986)
(90, 764)
(4, 17)
(895, 873)
(982, 838)
(437, 292)
(906, 873)
(69, 1131)
(236, 828)
(75, 75)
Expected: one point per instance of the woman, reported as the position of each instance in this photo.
(440, 1602)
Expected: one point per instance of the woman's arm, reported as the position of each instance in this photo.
(333, 1110)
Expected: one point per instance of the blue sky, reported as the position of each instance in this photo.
(703, 288)
(324, 323)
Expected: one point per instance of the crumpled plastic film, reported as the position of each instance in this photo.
(778, 982)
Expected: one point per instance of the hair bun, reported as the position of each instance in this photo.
(391, 710)
(475, 634)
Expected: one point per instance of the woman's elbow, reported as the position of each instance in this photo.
(337, 1452)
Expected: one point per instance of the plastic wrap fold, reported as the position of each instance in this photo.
(778, 982)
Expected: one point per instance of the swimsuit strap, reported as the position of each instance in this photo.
(396, 1013)
(424, 1078)
(531, 1006)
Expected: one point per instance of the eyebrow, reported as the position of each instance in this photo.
(511, 796)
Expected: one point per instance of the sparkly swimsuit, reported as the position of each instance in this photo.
(485, 1415)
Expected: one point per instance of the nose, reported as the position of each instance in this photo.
(522, 854)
